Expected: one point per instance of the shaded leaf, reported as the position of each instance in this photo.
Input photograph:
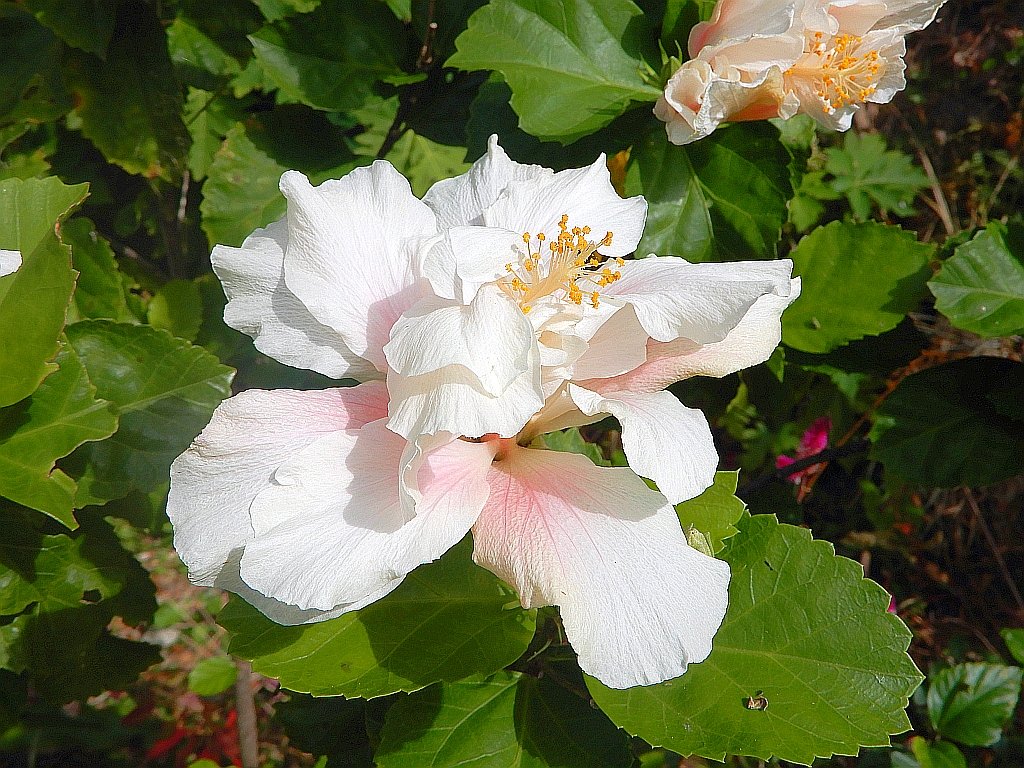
(100, 288)
(212, 676)
(32, 86)
(970, 703)
(937, 754)
(867, 173)
(85, 24)
(1014, 639)
(178, 308)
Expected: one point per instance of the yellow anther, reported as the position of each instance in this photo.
(526, 237)
(541, 236)
(594, 299)
(508, 267)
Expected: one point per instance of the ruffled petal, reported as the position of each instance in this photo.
(663, 440)
(10, 261)
(461, 201)
(909, 15)
(351, 253)
(461, 259)
(585, 194)
(638, 604)
(214, 482)
(734, 21)
(701, 302)
(752, 341)
(344, 536)
(261, 306)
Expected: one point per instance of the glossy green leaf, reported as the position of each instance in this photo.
(331, 58)
(32, 85)
(460, 620)
(508, 720)
(1014, 639)
(573, 65)
(938, 428)
(209, 117)
(130, 105)
(937, 754)
(100, 288)
(970, 703)
(807, 663)
(721, 198)
(212, 676)
(58, 417)
(857, 280)
(34, 300)
(981, 288)
(715, 512)
(85, 24)
(164, 391)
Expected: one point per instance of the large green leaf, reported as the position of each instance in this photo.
(857, 280)
(130, 105)
(508, 720)
(34, 300)
(100, 289)
(573, 65)
(31, 84)
(331, 58)
(939, 427)
(85, 24)
(721, 198)
(164, 391)
(807, 663)
(57, 418)
(447, 621)
(981, 288)
(715, 512)
(970, 703)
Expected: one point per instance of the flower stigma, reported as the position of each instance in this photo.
(572, 259)
(843, 75)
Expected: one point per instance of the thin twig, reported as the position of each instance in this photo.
(998, 188)
(426, 57)
(941, 206)
(995, 549)
(245, 706)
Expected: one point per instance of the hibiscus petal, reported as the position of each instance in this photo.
(261, 306)
(752, 341)
(10, 261)
(461, 201)
(585, 194)
(739, 20)
(214, 482)
(461, 259)
(344, 535)
(663, 440)
(351, 251)
(909, 15)
(701, 302)
(638, 604)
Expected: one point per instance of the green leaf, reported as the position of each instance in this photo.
(937, 754)
(508, 720)
(460, 620)
(34, 300)
(1014, 639)
(178, 308)
(571, 441)
(31, 83)
(331, 58)
(424, 162)
(130, 105)
(807, 663)
(100, 288)
(573, 65)
(278, 9)
(85, 24)
(981, 288)
(164, 391)
(58, 417)
(715, 512)
(857, 280)
(867, 173)
(720, 198)
(212, 676)
(970, 703)
(209, 117)
(939, 429)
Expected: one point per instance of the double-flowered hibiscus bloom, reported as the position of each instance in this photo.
(493, 311)
(756, 59)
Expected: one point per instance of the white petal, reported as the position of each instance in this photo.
(638, 604)
(344, 535)
(585, 194)
(909, 15)
(351, 250)
(619, 345)
(250, 435)
(752, 341)
(663, 440)
(10, 261)
(261, 306)
(461, 200)
(461, 259)
(734, 21)
(702, 302)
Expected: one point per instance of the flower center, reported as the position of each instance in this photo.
(572, 268)
(843, 74)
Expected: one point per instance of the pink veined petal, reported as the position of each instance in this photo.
(345, 537)
(214, 482)
(351, 253)
(638, 604)
(10, 261)
(461, 201)
(750, 342)
(261, 306)
(663, 440)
